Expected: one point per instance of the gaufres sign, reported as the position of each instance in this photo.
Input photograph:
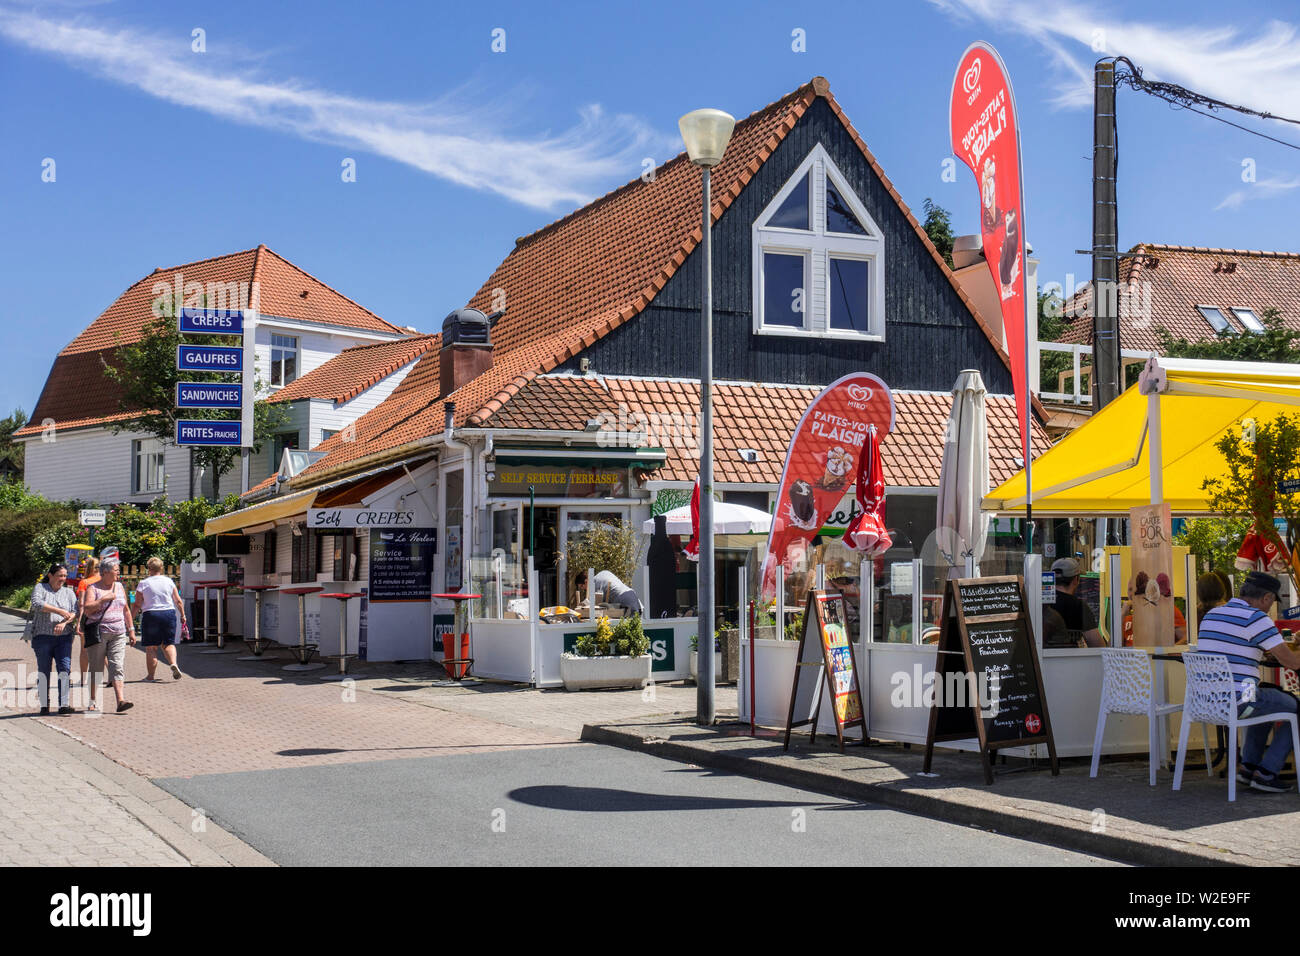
(820, 466)
(327, 519)
(982, 114)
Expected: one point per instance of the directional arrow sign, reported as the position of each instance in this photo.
(96, 517)
(207, 395)
(209, 358)
(212, 321)
(190, 432)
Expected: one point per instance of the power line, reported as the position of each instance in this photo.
(1183, 98)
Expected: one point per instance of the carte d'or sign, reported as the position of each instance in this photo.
(329, 519)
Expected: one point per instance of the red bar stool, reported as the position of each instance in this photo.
(256, 644)
(304, 651)
(220, 587)
(202, 635)
(343, 597)
(456, 660)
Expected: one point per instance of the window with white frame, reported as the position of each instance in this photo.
(1216, 319)
(819, 258)
(284, 359)
(147, 466)
(1249, 319)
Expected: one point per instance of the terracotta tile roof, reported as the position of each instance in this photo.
(756, 416)
(76, 393)
(1168, 283)
(354, 370)
(579, 278)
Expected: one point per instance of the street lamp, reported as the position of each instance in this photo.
(706, 134)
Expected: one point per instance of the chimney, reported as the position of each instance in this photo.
(466, 348)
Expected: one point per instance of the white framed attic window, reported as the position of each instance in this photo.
(1249, 319)
(1216, 320)
(818, 258)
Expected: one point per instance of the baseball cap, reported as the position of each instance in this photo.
(1266, 581)
(1066, 567)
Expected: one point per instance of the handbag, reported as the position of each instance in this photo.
(90, 629)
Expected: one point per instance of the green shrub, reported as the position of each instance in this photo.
(188, 519)
(20, 597)
(18, 529)
(139, 533)
(629, 637)
(16, 496)
(595, 643)
(47, 545)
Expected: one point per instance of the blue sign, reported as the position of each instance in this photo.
(1291, 613)
(1288, 486)
(189, 432)
(209, 358)
(213, 321)
(204, 395)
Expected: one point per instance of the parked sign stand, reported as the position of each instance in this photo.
(829, 653)
(985, 634)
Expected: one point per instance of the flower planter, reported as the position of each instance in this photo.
(717, 667)
(590, 673)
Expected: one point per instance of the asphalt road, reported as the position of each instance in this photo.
(580, 806)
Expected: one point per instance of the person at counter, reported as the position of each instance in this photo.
(609, 589)
(1074, 613)
(1242, 631)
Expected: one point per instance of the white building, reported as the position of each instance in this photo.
(71, 449)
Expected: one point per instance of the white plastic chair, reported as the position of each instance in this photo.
(1127, 688)
(1211, 698)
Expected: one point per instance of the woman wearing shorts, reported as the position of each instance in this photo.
(160, 607)
(105, 604)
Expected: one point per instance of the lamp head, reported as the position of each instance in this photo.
(706, 134)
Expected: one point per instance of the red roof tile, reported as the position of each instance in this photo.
(1167, 283)
(354, 370)
(76, 393)
(585, 274)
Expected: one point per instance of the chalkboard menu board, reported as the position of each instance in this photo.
(401, 564)
(825, 649)
(988, 683)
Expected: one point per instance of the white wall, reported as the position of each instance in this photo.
(93, 464)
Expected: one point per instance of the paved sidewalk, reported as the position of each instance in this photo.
(1116, 815)
(64, 805)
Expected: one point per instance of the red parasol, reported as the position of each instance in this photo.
(866, 532)
(692, 549)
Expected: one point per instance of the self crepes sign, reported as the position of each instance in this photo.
(329, 519)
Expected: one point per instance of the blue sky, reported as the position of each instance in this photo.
(165, 155)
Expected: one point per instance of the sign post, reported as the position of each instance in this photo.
(830, 652)
(985, 635)
(92, 518)
(241, 358)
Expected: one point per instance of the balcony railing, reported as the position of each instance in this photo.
(1069, 382)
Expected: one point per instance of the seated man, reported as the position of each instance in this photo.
(1076, 614)
(1242, 631)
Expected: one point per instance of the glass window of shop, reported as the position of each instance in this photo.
(453, 514)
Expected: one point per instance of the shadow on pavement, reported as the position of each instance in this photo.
(605, 800)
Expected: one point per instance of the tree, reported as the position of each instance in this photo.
(1051, 326)
(1259, 457)
(145, 371)
(1276, 343)
(11, 452)
(938, 226)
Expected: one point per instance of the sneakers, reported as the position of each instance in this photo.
(176, 673)
(124, 705)
(66, 710)
(45, 712)
(1268, 782)
(1246, 772)
(92, 707)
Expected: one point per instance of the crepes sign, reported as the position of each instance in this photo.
(820, 464)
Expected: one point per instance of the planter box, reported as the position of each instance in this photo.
(717, 667)
(589, 673)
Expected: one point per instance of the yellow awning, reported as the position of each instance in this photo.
(1103, 467)
(272, 510)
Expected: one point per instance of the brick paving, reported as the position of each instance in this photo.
(53, 814)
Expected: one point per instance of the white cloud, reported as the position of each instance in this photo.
(465, 145)
(1263, 189)
(1260, 70)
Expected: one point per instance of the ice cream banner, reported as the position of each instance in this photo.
(820, 464)
(985, 135)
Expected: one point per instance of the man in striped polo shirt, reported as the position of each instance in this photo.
(1242, 631)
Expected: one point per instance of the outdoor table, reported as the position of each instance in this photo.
(303, 651)
(457, 668)
(220, 587)
(256, 644)
(342, 597)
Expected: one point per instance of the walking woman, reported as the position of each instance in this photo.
(90, 575)
(160, 606)
(54, 614)
(106, 606)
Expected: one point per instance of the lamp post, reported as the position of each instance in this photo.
(706, 134)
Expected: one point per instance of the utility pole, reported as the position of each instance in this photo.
(1107, 381)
